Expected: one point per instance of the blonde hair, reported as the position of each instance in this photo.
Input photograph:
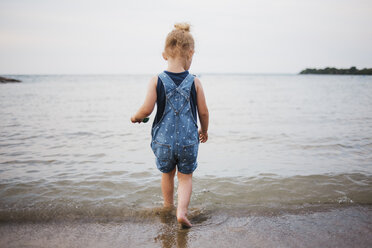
(179, 41)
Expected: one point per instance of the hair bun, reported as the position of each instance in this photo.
(182, 26)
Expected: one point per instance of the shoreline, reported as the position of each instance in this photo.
(341, 227)
(337, 71)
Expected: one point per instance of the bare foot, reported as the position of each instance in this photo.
(182, 219)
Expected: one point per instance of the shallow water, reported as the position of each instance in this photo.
(279, 144)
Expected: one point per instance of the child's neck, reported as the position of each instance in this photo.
(176, 65)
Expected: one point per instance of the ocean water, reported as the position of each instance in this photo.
(278, 145)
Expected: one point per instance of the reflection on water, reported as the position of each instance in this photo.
(171, 234)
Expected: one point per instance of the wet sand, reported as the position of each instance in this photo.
(340, 227)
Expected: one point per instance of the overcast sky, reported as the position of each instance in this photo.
(263, 36)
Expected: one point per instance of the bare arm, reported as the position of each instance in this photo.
(202, 111)
(149, 104)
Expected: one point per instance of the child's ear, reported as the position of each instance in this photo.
(164, 56)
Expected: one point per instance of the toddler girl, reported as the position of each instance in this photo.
(175, 137)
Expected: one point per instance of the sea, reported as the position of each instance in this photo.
(288, 163)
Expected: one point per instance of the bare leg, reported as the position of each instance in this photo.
(167, 187)
(184, 194)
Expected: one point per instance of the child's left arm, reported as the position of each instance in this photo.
(149, 104)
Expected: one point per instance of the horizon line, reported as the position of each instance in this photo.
(148, 73)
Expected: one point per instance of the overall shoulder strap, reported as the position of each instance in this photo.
(168, 83)
(185, 87)
(187, 82)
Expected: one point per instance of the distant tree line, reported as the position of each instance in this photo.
(331, 70)
(8, 80)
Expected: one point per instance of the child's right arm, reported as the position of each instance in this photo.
(149, 104)
(202, 111)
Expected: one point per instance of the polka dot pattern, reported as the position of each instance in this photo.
(177, 132)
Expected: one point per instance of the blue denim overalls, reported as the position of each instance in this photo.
(175, 139)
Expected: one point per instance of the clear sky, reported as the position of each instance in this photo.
(251, 36)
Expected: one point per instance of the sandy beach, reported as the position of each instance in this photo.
(342, 227)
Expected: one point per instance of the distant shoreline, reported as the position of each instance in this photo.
(14, 78)
(335, 71)
(8, 80)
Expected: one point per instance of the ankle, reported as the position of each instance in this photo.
(181, 212)
(168, 205)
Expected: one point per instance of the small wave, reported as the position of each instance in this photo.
(119, 194)
(29, 161)
(140, 174)
(80, 134)
(10, 145)
(114, 173)
(29, 137)
(97, 155)
(344, 199)
(336, 146)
